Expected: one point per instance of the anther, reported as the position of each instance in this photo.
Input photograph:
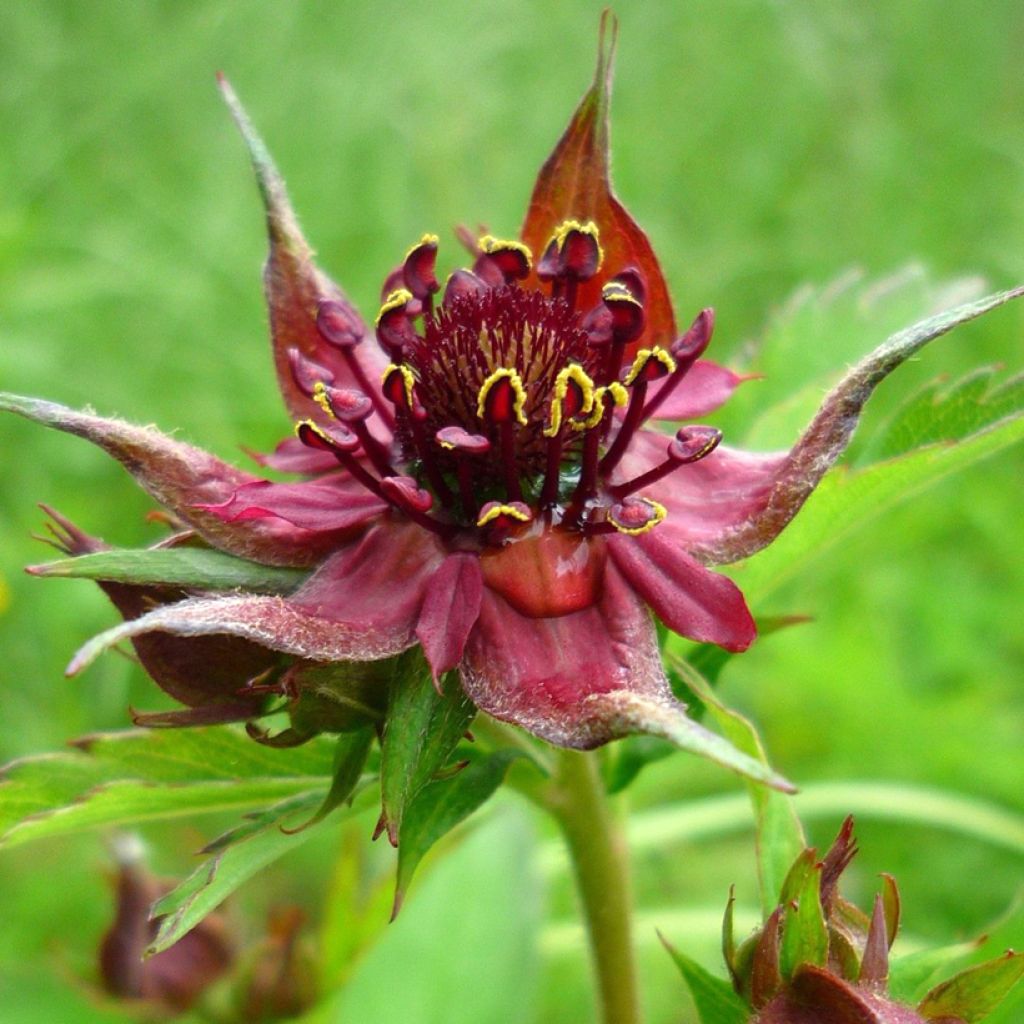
(573, 255)
(650, 364)
(342, 443)
(460, 284)
(497, 514)
(466, 447)
(502, 397)
(573, 396)
(501, 261)
(686, 350)
(398, 384)
(306, 373)
(418, 272)
(691, 444)
(635, 516)
(405, 494)
(394, 323)
(353, 408)
(339, 326)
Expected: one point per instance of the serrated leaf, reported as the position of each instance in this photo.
(945, 412)
(973, 994)
(440, 806)
(422, 729)
(849, 499)
(218, 877)
(779, 834)
(201, 568)
(133, 776)
(714, 998)
(911, 975)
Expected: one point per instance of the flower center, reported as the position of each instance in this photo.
(506, 405)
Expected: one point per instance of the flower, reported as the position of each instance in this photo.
(819, 959)
(481, 478)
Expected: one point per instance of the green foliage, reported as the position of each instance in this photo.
(180, 567)
(973, 994)
(714, 998)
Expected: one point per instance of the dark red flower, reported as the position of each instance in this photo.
(481, 476)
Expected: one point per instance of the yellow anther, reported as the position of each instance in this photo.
(613, 392)
(573, 372)
(616, 291)
(321, 399)
(644, 356)
(518, 392)
(313, 427)
(566, 228)
(656, 507)
(425, 240)
(408, 380)
(395, 300)
(489, 244)
(493, 511)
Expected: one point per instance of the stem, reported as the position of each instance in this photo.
(600, 858)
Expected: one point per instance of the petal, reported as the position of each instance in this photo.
(295, 286)
(337, 506)
(375, 586)
(205, 672)
(574, 183)
(731, 504)
(705, 388)
(451, 606)
(270, 622)
(182, 478)
(691, 600)
(292, 456)
(539, 673)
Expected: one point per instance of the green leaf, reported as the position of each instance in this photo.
(442, 805)
(849, 499)
(630, 756)
(714, 998)
(422, 729)
(239, 856)
(973, 994)
(201, 568)
(138, 775)
(349, 759)
(911, 975)
(804, 934)
(779, 834)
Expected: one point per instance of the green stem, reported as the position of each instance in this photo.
(600, 858)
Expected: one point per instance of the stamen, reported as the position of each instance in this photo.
(353, 408)
(691, 444)
(394, 323)
(306, 373)
(502, 261)
(575, 389)
(461, 283)
(502, 398)
(415, 502)
(418, 271)
(649, 364)
(636, 516)
(398, 384)
(341, 329)
(466, 446)
(686, 351)
(573, 255)
(342, 443)
(494, 513)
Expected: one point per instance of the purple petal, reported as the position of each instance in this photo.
(731, 504)
(292, 456)
(451, 606)
(182, 478)
(337, 506)
(375, 586)
(295, 286)
(540, 673)
(691, 600)
(270, 622)
(705, 388)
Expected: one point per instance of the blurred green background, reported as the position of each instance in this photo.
(763, 145)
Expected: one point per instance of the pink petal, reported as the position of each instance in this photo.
(540, 673)
(691, 600)
(337, 505)
(705, 388)
(374, 587)
(292, 456)
(183, 479)
(295, 286)
(451, 606)
(270, 622)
